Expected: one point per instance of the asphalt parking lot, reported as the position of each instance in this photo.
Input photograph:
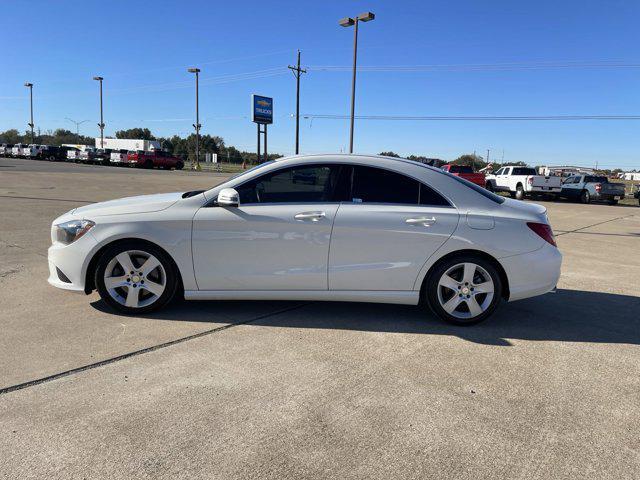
(547, 388)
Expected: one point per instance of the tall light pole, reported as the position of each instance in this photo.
(77, 127)
(347, 22)
(101, 124)
(297, 71)
(197, 124)
(30, 87)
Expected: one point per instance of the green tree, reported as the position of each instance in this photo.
(11, 136)
(389, 154)
(136, 133)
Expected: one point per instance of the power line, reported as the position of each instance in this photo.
(480, 67)
(475, 118)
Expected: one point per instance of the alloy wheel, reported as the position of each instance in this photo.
(465, 290)
(135, 279)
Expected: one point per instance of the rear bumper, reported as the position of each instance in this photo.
(555, 190)
(533, 273)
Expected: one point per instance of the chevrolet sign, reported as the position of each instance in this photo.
(261, 109)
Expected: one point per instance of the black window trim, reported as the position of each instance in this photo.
(214, 202)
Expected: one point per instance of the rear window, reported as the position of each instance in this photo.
(482, 191)
(594, 179)
(460, 169)
(524, 171)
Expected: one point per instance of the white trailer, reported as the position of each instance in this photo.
(129, 144)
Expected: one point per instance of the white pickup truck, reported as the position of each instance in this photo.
(523, 181)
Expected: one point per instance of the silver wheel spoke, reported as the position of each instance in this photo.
(469, 272)
(474, 308)
(447, 281)
(132, 297)
(115, 282)
(125, 262)
(452, 304)
(149, 265)
(153, 287)
(486, 287)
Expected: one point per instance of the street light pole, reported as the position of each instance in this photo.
(77, 127)
(347, 22)
(197, 124)
(101, 124)
(30, 87)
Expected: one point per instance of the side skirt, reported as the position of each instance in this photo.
(387, 296)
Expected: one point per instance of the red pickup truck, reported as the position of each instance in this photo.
(155, 158)
(466, 172)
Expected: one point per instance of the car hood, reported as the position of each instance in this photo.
(128, 205)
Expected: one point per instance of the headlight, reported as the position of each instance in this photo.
(69, 232)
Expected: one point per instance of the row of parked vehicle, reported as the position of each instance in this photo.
(102, 156)
(522, 182)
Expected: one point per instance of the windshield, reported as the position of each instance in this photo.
(240, 174)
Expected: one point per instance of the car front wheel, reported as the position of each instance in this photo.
(464, 290)
(135, 278)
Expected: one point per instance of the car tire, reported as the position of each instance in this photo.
(519, 192)
(489, 186)
(179, 166)
(452, 289)
(128, 293)
(585, 196)
(148, 164)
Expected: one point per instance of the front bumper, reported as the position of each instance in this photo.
(534, 273)
(71, 261)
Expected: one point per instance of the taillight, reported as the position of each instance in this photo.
(530, 180)
(544, 231)
(598, 187)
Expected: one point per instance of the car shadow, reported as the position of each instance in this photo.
(566, 316)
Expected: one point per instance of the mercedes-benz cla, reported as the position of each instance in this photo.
(321, 227)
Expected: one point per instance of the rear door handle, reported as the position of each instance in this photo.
(313, 216)
(421, 221)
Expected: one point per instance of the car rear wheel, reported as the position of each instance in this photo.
(585, 196)
(148, 163)
(519, 192)
(136, 278)
(179, 166)
(464, 290)
(489, 186)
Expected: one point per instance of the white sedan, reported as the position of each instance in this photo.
(319, 227)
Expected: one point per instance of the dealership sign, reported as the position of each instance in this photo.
(261, 109)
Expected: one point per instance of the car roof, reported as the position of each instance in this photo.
(354, 158)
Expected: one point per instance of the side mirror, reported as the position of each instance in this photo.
(228, 197)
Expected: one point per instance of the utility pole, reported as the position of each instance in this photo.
(297, 72)
(487, 156)
(101, 124)
(30, 87)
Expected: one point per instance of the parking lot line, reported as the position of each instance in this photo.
(118, 358)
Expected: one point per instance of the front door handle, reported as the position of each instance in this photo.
(421, 221)
(313, 216)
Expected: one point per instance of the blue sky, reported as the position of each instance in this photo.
(143, 49)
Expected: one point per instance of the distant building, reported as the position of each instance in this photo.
(565, 170)
(129, 144)
(632, 176)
